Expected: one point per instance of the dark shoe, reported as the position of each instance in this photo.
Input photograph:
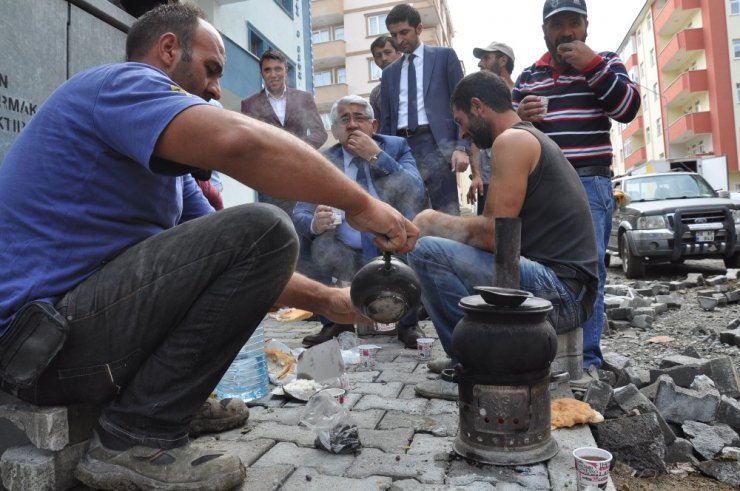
(438, 364)
(217, 416)
(327, 332)
(409, 334)
(423, 313)
(140, 467)
(437, 389)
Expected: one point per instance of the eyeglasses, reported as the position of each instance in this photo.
(359, 118)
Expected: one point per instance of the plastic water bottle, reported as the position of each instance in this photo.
(247, 376)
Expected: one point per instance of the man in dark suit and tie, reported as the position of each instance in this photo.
(384, 166)
(415, 103)
(291, 109)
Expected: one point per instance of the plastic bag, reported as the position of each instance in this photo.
(335, 429)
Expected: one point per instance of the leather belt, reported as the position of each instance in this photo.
(420, 130)
(594, 170)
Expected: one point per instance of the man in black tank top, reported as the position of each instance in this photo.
(531, 179)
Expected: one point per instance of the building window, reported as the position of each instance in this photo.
(320, 36)
(736, 47)
(376, 25)
(644, 101)
(648, 138)
(655, 91)
(737, 90)
(286, 5)
(339, 33)
(322, 78)
(376, 72)
(341, 77)
(652, 56)
(639, 37)
(326, 119)
(257, 44)
(658, 127)
(649, 21)
(628, 147)
(734, 7)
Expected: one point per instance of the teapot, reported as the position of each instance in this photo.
(385, 289)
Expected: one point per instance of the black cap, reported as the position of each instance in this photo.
(553, 7)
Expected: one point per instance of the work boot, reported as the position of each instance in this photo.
(217, 416)
(409, 334)
(437, 389)
(438, 364)
(139, 467)
(327, 332)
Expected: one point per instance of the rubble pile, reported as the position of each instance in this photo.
(682, 406)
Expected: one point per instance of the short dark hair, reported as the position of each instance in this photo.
(273, 54)
(181, 19)
(509, 61)
(381, 41)
(486, 86)
(403, 13)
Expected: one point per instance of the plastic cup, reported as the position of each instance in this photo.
(337, 393)
(383, 327)
(338, 216)
(424, 348)
(367, 355)
(592, 467)
(544, 100)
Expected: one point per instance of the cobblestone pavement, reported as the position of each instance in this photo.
(407, 441)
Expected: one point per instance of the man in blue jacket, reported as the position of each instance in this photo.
(384, 166)
(415, 103)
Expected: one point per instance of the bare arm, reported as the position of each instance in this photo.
(334, 303)
(273, 161)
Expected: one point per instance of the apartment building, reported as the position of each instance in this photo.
(685, 57)
(342, 31)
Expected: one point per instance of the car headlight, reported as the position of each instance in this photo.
(650, 222)
(736, 216)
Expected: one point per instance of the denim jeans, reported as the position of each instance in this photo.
(448, 271)
(153, 331)
(599, 191)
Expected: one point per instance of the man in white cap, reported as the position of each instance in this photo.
(497, 58)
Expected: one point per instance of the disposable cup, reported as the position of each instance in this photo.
(545, 101)
(337, 393)
(338, 216)
(384, 327)
(367, 355)
(424, 348)
(592, 467)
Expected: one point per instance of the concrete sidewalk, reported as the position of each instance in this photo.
(406, 440)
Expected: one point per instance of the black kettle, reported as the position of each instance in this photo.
(385, 289)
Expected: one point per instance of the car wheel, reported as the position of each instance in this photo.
(607, 259)
(632, 265)
(733, 262)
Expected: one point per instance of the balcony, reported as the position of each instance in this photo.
(689, 126)
(673, 16)
(682, 90)
(631, 61)
(327, 12)
(329, 54)
(429, 11)
(328, 94)
(677, 52)
(635, 125)
(637, 157)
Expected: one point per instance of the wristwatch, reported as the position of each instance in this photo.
(462, 149)
(373, 159)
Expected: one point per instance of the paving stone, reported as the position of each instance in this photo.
(637, 441)
(286, 416)
(406, 378)
(648, 311)
(638, 376)
(306, 479)
(393, 441)
(733, 296)
(680, 450)
(619, 325)
(51, 427)
(438, 425)
(462, 473)
(266, 478)
(659, 307)
(682, 375)
(721, 299)
(619, 314)
(677, 404)
(677, 285)
(709, 440)
(731, 337)
(30, 468)
(642, 321)
(367, 419)
(424, 444)
(678, 360)
(645, 292)
(728, 412)
(715, 280)
(724, 375)
(249, 453)
(300, 435)
(440, 406)
(408, 392)
(598, 395)
(388, 389)
(618, 290)
(357, 377)
(322, 461)
(727, 472)
(629, 398)
(422, 468)
(414, 406)
(731, 274)
(672, 301)
(414, 485)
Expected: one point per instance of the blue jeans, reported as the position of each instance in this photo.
(153, 330)
(448, 271)
(599, 191)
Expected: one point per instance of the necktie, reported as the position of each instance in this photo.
(369, 251)
(413, 111)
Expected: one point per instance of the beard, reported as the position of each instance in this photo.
(553, 47)
(480, 132)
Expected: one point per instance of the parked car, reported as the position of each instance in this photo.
(671, 217)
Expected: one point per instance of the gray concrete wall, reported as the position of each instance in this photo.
(44, 43)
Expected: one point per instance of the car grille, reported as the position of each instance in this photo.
(688, 245)
(704, 216)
